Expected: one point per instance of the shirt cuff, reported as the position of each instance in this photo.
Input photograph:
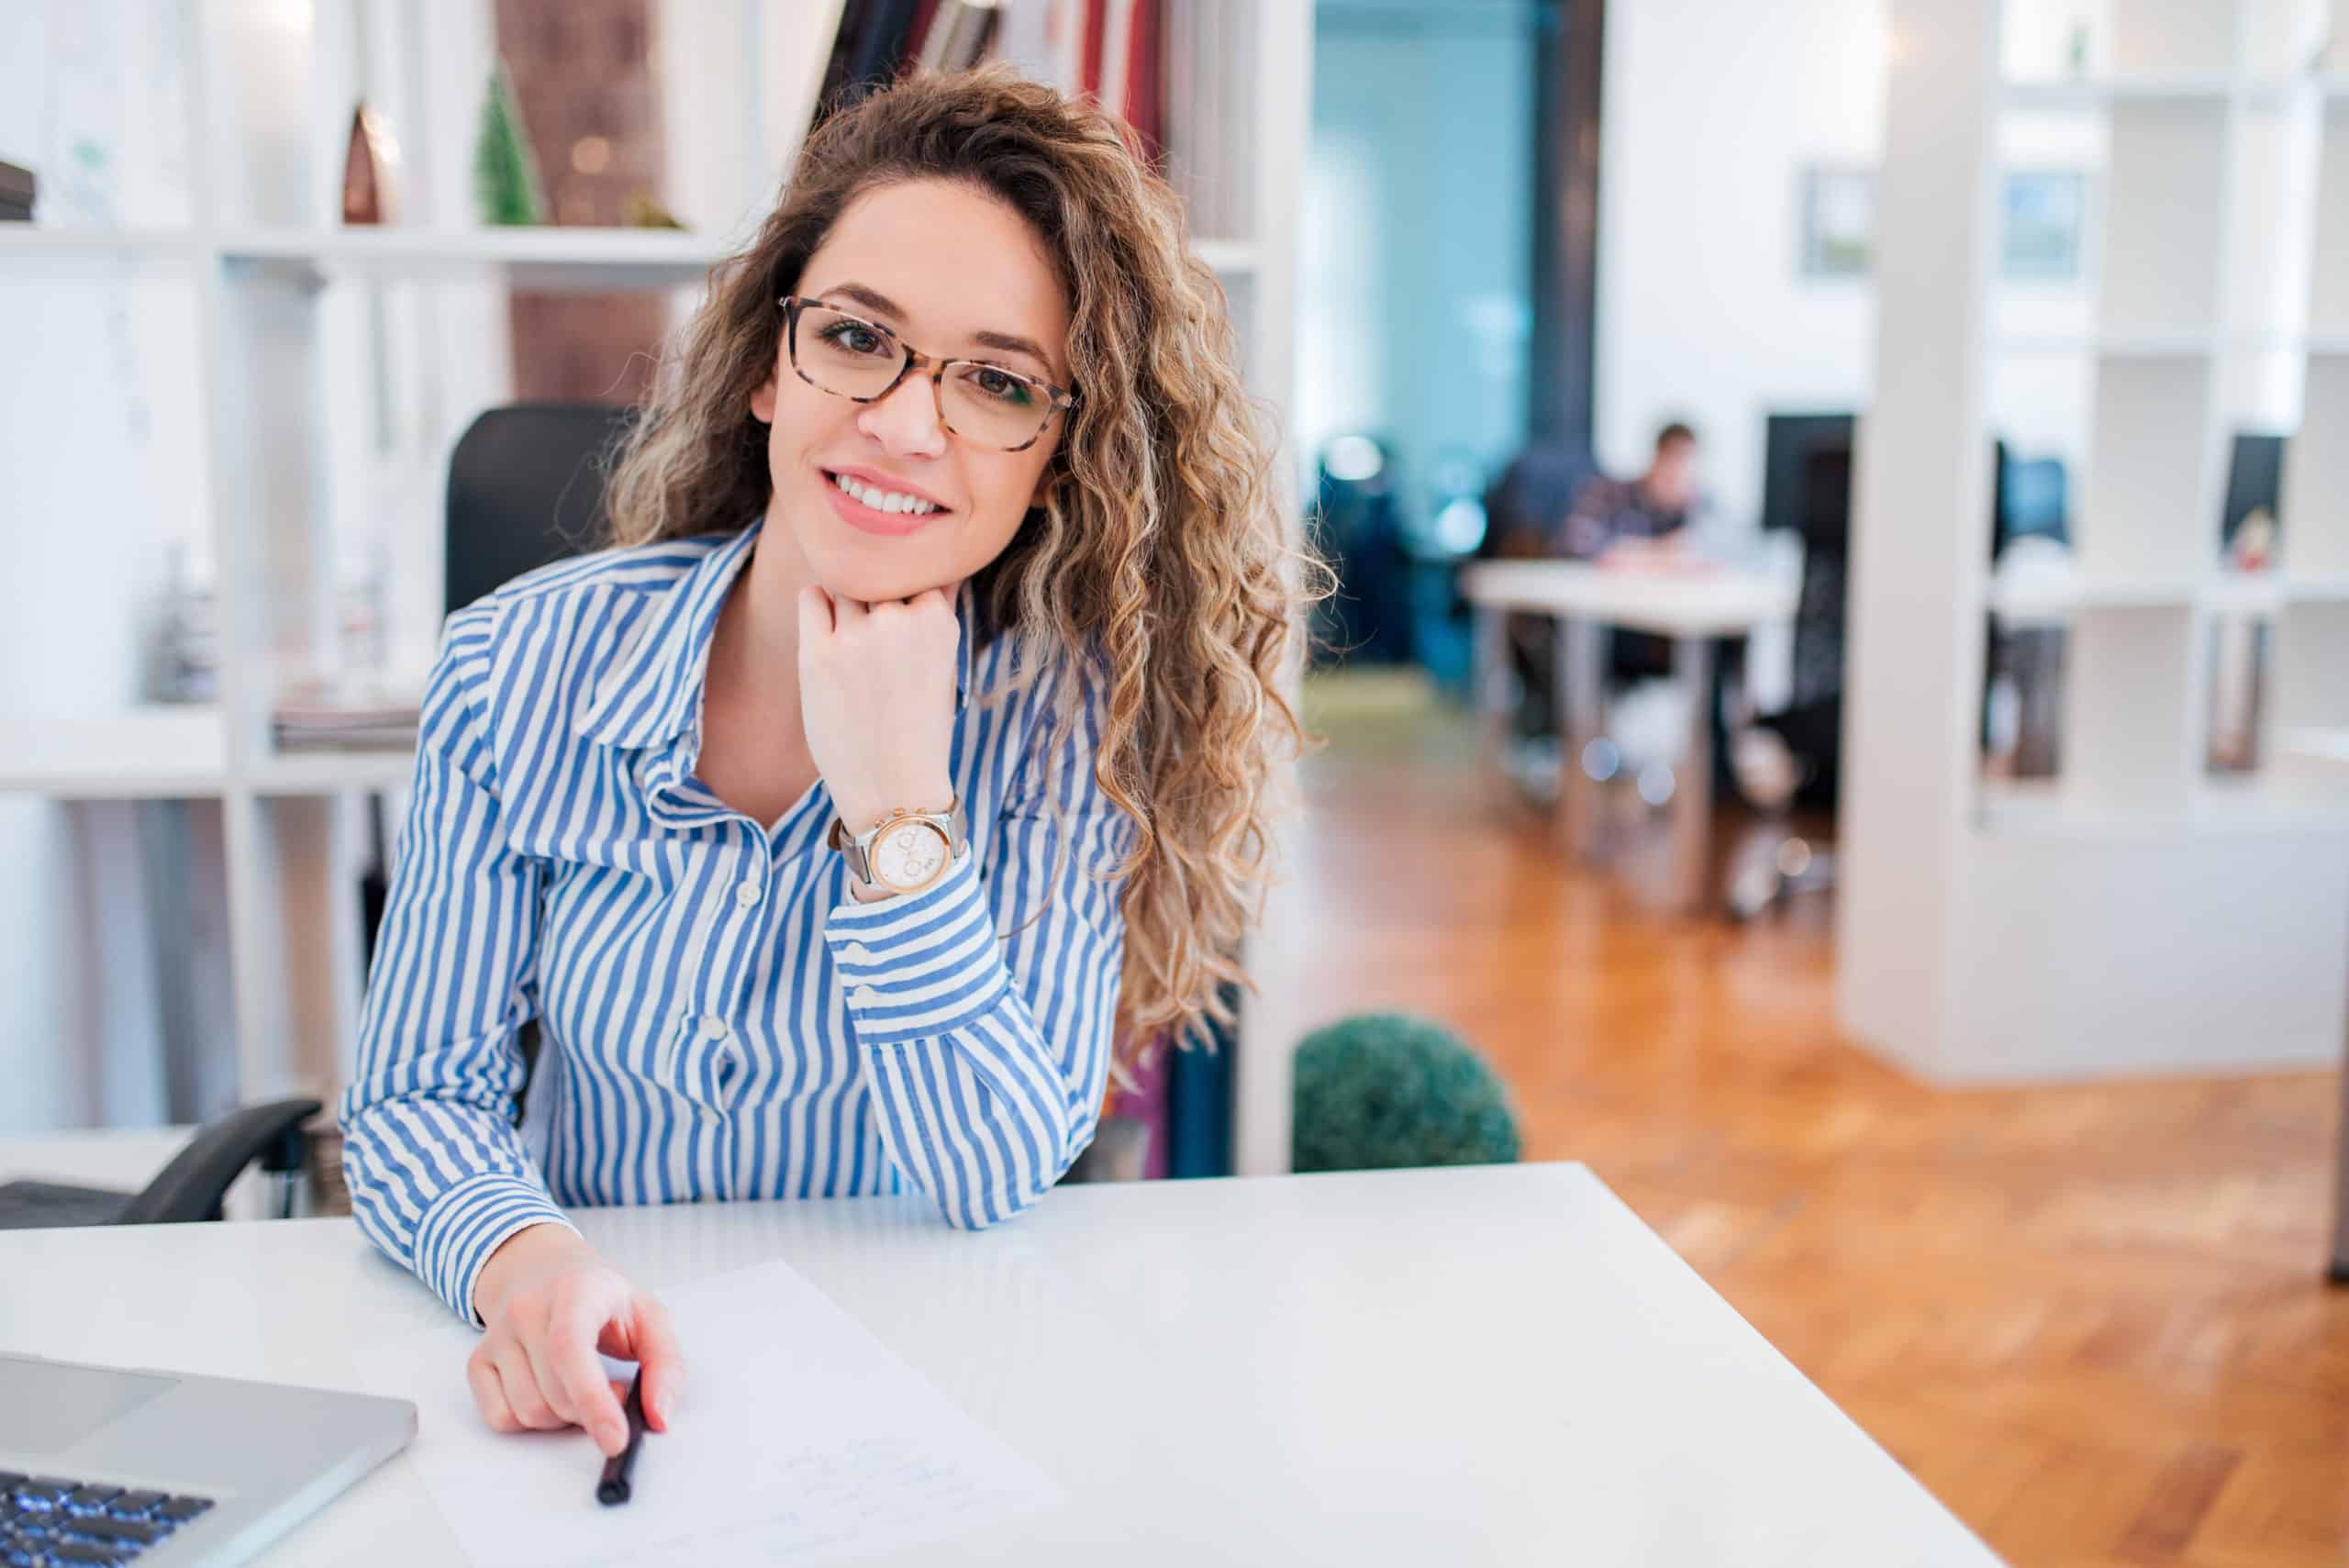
(921, 964)
(469, 1222)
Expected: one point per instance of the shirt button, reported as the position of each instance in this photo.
(713, 1028)
(866, 996)
(857, 952)
(748, 894)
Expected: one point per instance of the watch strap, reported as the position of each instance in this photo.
(857, 848)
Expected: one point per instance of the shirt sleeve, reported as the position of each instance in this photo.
(984, 1007)
(436, 1169)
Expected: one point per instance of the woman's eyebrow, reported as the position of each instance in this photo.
(876, 301)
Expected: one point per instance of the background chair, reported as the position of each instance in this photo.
(526, 489)
(1811, 724)
(190, 1188)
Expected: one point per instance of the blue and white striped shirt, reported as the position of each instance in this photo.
(718, 1018)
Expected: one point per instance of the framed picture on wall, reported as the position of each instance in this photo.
(2042, 214)
(1838, 221)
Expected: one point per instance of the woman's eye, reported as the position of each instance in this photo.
(855, 340)
(1001, 386)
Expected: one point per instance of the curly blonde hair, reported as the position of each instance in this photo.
(1160, 544)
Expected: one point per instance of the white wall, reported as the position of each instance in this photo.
(1710, 112)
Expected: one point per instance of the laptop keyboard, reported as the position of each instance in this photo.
(47, 1520)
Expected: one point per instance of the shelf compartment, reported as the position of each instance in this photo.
(2328, 274)
(2163, 37)
(2131, 733)
(2149, 496)
(2315, 502)
(2312, 653)
(2166, 176)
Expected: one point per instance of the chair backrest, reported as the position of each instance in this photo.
(526, 489)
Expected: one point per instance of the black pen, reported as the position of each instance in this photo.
(614, 1487)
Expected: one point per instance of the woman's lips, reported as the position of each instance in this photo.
(857, 514)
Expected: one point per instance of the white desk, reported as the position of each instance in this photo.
(1690, 607)
(1456, 1366)
(2328, 749)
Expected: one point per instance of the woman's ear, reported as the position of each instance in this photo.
(762, 401)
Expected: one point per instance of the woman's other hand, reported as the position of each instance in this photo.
(877, 695)
(551, 1304)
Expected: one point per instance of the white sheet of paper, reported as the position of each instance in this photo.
(802, 1439)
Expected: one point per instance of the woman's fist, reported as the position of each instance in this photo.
(876, 696)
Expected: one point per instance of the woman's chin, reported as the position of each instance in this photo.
(870, 584)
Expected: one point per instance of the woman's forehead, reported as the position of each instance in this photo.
(948, 265)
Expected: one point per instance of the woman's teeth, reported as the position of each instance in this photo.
(882, 500)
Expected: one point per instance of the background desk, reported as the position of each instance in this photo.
(1495, 1364)
(1691, 607)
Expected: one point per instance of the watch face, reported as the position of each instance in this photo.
(908, 855)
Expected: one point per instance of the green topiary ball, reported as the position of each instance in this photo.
(1384, 1090)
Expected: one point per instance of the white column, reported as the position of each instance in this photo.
(1920, 538)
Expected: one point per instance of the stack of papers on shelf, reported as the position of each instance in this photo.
(344, 719)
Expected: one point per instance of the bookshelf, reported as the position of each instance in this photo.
(333, 368)
(2143, 911)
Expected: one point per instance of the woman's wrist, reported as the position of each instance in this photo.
(515, 1259)
(864, 810)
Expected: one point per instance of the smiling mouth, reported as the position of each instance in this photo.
(878, 499)
(884, 519)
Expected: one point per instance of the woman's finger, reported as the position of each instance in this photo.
(815, 611)
(662, 1361)
(848, 613)
(489, 1395)
(521, 1389)
(581, 1392)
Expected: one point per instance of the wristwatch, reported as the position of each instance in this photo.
(907, 852)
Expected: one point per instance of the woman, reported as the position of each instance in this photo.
(912, 747)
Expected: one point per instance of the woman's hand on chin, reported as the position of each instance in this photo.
(876, 696)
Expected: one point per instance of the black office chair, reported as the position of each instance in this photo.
(188, 1189)
(526, 489)
(1811, 724)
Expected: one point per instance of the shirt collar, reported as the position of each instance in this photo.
(650, 690)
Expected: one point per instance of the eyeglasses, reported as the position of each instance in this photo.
(864, 361)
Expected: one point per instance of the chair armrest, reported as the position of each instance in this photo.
(191, 1186)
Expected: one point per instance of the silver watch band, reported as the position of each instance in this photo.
(857, 848)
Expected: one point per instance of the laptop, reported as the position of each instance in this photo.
(99, 1465)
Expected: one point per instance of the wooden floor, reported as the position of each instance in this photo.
(2089, 1319)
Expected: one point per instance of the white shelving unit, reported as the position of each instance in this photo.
(340, 365)
(2139, 913)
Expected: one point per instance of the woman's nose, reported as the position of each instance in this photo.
(906, 421)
